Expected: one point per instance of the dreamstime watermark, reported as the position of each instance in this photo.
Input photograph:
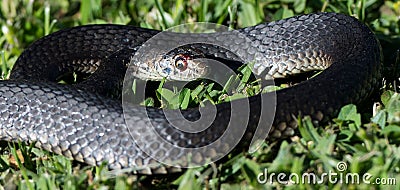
(333, 177)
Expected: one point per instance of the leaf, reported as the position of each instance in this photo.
(271, 88)
(308, 131)
(349, 113)
(237, 164)
(298, 164)
(345, 135)
(169, 98)
(380, 118)
(148, 102)
(283, 13)
(246, 71)
(391, 129)
(188, 181)
(184, 98)
(299, 6)
(393, 109)
(250, 169)
(234, 97)
(197, 91)
(385, 97)
(284, 158)
(248, 16)
(325, 145)
(159, 89)
(214, 93)
(134, 86)
(228, 85)
(121, 184)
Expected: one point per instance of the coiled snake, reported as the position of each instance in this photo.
(90, 128)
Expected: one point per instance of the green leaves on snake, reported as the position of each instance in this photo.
(237, 86)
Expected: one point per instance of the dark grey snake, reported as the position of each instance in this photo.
(90, 128)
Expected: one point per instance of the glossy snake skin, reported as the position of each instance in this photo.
(81, 124)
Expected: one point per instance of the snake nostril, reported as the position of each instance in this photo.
(167, 70)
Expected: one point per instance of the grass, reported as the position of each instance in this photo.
(367, 144)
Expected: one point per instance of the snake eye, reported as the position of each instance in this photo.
(181, 63)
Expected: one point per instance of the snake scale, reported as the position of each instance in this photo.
(86, 126)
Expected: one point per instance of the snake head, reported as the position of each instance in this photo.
(180, 64)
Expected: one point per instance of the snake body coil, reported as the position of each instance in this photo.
(90, 128)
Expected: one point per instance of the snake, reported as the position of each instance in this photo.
(83, 123)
